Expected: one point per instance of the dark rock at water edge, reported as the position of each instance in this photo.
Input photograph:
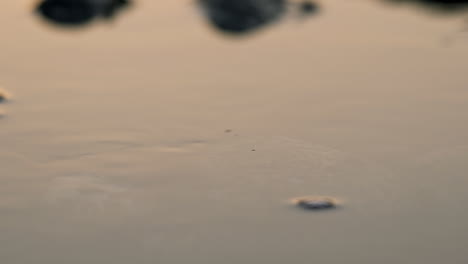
(241, 16)
(437, 5)
(78, 12)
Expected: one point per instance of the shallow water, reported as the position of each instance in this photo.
(155, 138)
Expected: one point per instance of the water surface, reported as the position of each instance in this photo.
(156, 137)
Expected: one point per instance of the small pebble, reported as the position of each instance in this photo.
(316, 203)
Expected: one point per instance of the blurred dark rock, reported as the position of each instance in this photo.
(308, 7)
(437, 5)
(240, 16)
(78, 12)
(244, 16)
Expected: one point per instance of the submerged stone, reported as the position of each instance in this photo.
(316, 202)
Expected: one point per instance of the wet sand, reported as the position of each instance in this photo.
(155, 138)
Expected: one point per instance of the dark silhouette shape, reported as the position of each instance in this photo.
(244, 16)
(438, 5)
(239, 16)
(78, 12)
(307, 7)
